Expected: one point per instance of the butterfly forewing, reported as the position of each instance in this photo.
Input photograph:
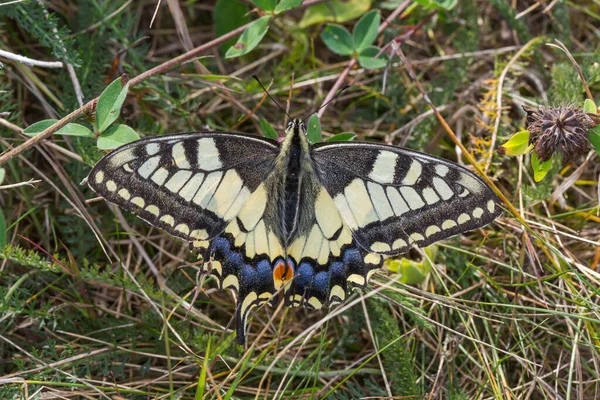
(393, 198)
(190, 185)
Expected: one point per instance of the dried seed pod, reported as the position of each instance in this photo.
(563, 129)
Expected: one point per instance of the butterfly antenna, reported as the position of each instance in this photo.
(330, 101)
(271, 97)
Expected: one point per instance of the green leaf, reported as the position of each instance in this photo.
(367, 59)
(109, 104)
(2, 231)
(339, 11)
(515, 146)
(285, 5)
(540, 169)
(116, 136)
(2, 175)
(229, 15)
(67, 130)
(38, 127)
(314, 129)
(365, 31)
(594, 138)
(342, 137)
(411, 272)
(267, 129)
(250, 38)
(438, 4)
(590, 107)
(266, 5)
(202, 378)
(338, 39)
(75, 130)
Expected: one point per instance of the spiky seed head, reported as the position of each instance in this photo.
(563, 129)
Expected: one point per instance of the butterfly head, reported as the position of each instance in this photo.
(296, 125)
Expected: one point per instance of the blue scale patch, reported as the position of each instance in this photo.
(309, 280)
(303, 278)
(264, 273)
(321, 285)
(338, 275)
(220, 244)
(248, 280)
(355, 264)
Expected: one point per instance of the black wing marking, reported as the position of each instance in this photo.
(393, 198)
(189, 185)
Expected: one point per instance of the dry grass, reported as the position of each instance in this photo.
(97, 304)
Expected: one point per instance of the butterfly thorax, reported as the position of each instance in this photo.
(292, 183)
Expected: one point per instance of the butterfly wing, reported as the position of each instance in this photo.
(393, 198)
(189, 185)
(208, 189)
(248, 256)
(325, 257)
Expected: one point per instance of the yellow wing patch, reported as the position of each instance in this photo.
(328, 234)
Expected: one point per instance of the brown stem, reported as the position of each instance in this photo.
(564, 48)
(47, 132)
(336, 86)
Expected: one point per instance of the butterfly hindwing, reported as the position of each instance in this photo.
(325, 257)
(248, 257)
(393, 198)
(190, 185)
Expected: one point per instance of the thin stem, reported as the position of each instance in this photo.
(91, 105)
(30, 61)
(577, 67)
(499, 98)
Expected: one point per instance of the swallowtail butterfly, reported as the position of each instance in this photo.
(309, 220)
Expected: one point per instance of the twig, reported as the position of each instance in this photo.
(30, 61)
(19, 184)
(47, 132)
(76, 84)
(338, 84)
(90, 106)
(186, 56)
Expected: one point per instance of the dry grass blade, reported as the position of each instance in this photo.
(95, 303)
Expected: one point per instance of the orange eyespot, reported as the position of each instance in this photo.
(283, 272)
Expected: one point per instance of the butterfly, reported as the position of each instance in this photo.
(308, 220)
